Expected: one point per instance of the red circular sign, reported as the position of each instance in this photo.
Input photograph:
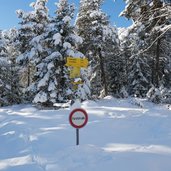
(78, 118)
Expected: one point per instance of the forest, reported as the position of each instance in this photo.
(122, 62)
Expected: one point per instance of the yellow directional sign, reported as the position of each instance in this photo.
(76, 83)
(72, 62)
(77, 62)
(84, 63)
(75, 72)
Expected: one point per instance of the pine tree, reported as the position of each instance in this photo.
(39, 50)
(114, 62)
(93, 25)
(151, 24)
(10, 92)
(25, 34)
(4, 71)
(16, 87)
(45, 44)
(65, 41)
(29, 35)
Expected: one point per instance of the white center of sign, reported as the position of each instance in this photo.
(78, 118)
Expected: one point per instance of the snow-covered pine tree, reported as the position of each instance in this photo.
(139, 71)
(93, 25)
(37, 52)
(114, 62)
(125, 49)
(16, 87)
(32, 28)
(65, 41)
(151, 23)
(50, 41)
(25, 34)
(5, 87)
(4, 72)
(138, 78)
(88, 25)
(10, 92)
(156, 37)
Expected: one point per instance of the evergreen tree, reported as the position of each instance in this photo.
(5, 87)
(151, 24)
(114, 62)
(45, 44)
(125, 39)
(139, 71)
(4, 72)
(25, 34)
(16, 87)
(65, 41)
(93, 25)
(138, 77)
(29, 36)
(39, 50)
(10, 92)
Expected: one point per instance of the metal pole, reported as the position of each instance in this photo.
(77, 136)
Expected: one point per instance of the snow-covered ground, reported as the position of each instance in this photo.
(119, 136)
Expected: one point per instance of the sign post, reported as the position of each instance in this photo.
(75, 64)
(78, 118)
(77, 136)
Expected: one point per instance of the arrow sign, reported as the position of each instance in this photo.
(77, 62)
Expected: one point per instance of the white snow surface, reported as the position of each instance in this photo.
(66, 19)
(57, 37)
(67, 45)
(120, 135)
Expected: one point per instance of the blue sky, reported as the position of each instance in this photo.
(8, 17)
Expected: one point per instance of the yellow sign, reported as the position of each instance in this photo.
(75, 72)
(78, 82)
(84, 63)
(77, 62)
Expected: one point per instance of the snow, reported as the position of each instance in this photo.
(36, 39)
(67, 45)
(54, 55)
(44, 80)
(51, 86)
(57, 37)
(50, 66)
(53, 94)
(66, 19)
(32, 53)
(76, 38)
(40, 97)
(75, 54)
(95, 14)
(123, 33)
(120, 135)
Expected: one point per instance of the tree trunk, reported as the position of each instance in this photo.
(28, 74)
(157, 65)
(103, 75)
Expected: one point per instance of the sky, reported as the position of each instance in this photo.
(8, 17)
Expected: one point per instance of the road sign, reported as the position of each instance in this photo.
(75, 72)
(84, 63)
(72, 62)
(77, 62)
(78, 118)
